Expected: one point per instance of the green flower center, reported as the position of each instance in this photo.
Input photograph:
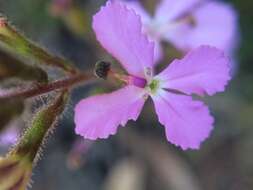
(154, 86)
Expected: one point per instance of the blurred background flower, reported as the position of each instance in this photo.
(139, 157)
(187, 24)
(9, 137)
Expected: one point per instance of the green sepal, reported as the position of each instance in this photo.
(42, 123)
(16, 167)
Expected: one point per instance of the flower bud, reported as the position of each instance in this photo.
(16, 167)
(43, 122)
(15, 172)
(102, 69)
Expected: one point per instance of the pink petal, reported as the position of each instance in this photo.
(167, 10)
(119, 30)
(203, 70)
(146, 19)
(215, 24)
(99, 116)
(9, 136)
(187, 122)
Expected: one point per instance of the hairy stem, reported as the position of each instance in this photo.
(45, 88)
(15, 41)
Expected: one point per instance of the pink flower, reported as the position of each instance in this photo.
(187, 122)
(9, 136)
(189, 23)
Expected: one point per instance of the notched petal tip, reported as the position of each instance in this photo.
(204, 70)
(100, 116)
(187, 122)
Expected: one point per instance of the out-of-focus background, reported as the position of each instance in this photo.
(138, 157)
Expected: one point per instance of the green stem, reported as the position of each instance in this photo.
(21, 45)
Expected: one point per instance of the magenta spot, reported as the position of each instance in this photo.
(137, 81)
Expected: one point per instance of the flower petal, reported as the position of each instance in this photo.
(119, 30)
(215, 23)
(138, 8)
(146, 20)
(167, 10)
(187, 122)
(203, 70)
(99, 116)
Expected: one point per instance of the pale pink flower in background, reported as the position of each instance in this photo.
(2, 91)
(187, 122)
(9, 136)
(59, 7)
(188, 24)
(76, 156)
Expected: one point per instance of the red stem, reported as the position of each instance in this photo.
(45, 88)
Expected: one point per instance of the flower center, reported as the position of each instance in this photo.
(137, 81)
(153, 86)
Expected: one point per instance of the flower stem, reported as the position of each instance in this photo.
(18, 43)
(39, 89)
